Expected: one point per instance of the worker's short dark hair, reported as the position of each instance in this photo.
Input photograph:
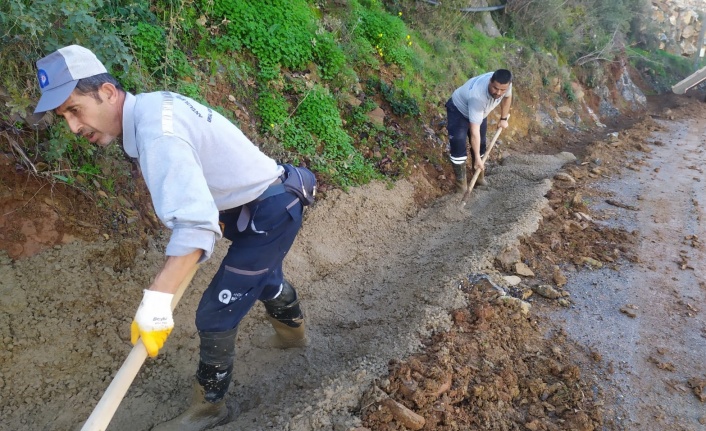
(502, 76)
(90, 85)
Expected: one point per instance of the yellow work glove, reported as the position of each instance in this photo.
(153, 321)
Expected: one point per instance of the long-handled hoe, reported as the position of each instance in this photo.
(472, 183)
(109, 402)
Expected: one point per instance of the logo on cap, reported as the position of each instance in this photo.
(43, 78)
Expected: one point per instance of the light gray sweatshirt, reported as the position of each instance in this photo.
(473, 99)
(195, 162)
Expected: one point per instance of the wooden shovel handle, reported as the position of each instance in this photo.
(466, 195)
(109, 402)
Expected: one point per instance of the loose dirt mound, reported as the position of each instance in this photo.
(495, 370)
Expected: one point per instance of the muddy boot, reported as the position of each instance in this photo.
(208, 408)
(460, 172)
(481, 181)
(285, 314)
(201, 414)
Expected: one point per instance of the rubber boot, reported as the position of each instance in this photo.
(213, 375)
(287, 318)
(481, 181)
(201, 414)
(461, 182)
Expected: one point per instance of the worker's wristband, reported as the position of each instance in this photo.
(503, 118)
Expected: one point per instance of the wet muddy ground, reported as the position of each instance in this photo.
(647, 318)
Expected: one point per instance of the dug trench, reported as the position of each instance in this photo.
(429, 316)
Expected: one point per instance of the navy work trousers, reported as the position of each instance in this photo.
(459, 129)
(252, 268)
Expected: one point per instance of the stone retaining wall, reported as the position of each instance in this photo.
(680, 24)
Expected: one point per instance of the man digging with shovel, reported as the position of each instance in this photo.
(206, 180)
(467, 111)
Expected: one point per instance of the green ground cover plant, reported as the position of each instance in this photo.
(659, 66)
(295, 65)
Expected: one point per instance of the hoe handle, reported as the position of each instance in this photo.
(467, 195)
(109, 402)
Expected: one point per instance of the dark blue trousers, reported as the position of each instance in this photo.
(252, 268)
(459, 130)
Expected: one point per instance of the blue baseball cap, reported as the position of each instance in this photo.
(59, 72)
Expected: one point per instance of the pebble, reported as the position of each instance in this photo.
(546, 291)
(512, 280)
(562, 176)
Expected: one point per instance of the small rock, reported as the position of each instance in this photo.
(596, 171)
(583, 216)
(546, 291)
(352, 100)
(404, 416)
(507, 258)
(523, 270)
(563, 176)
(577, 200)
(590, 261)
(512, 280)
(565, 111)
(559, 277)
(377, 116)
(517, 302)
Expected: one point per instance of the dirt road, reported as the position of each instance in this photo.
(378, 276)
(647, 320)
